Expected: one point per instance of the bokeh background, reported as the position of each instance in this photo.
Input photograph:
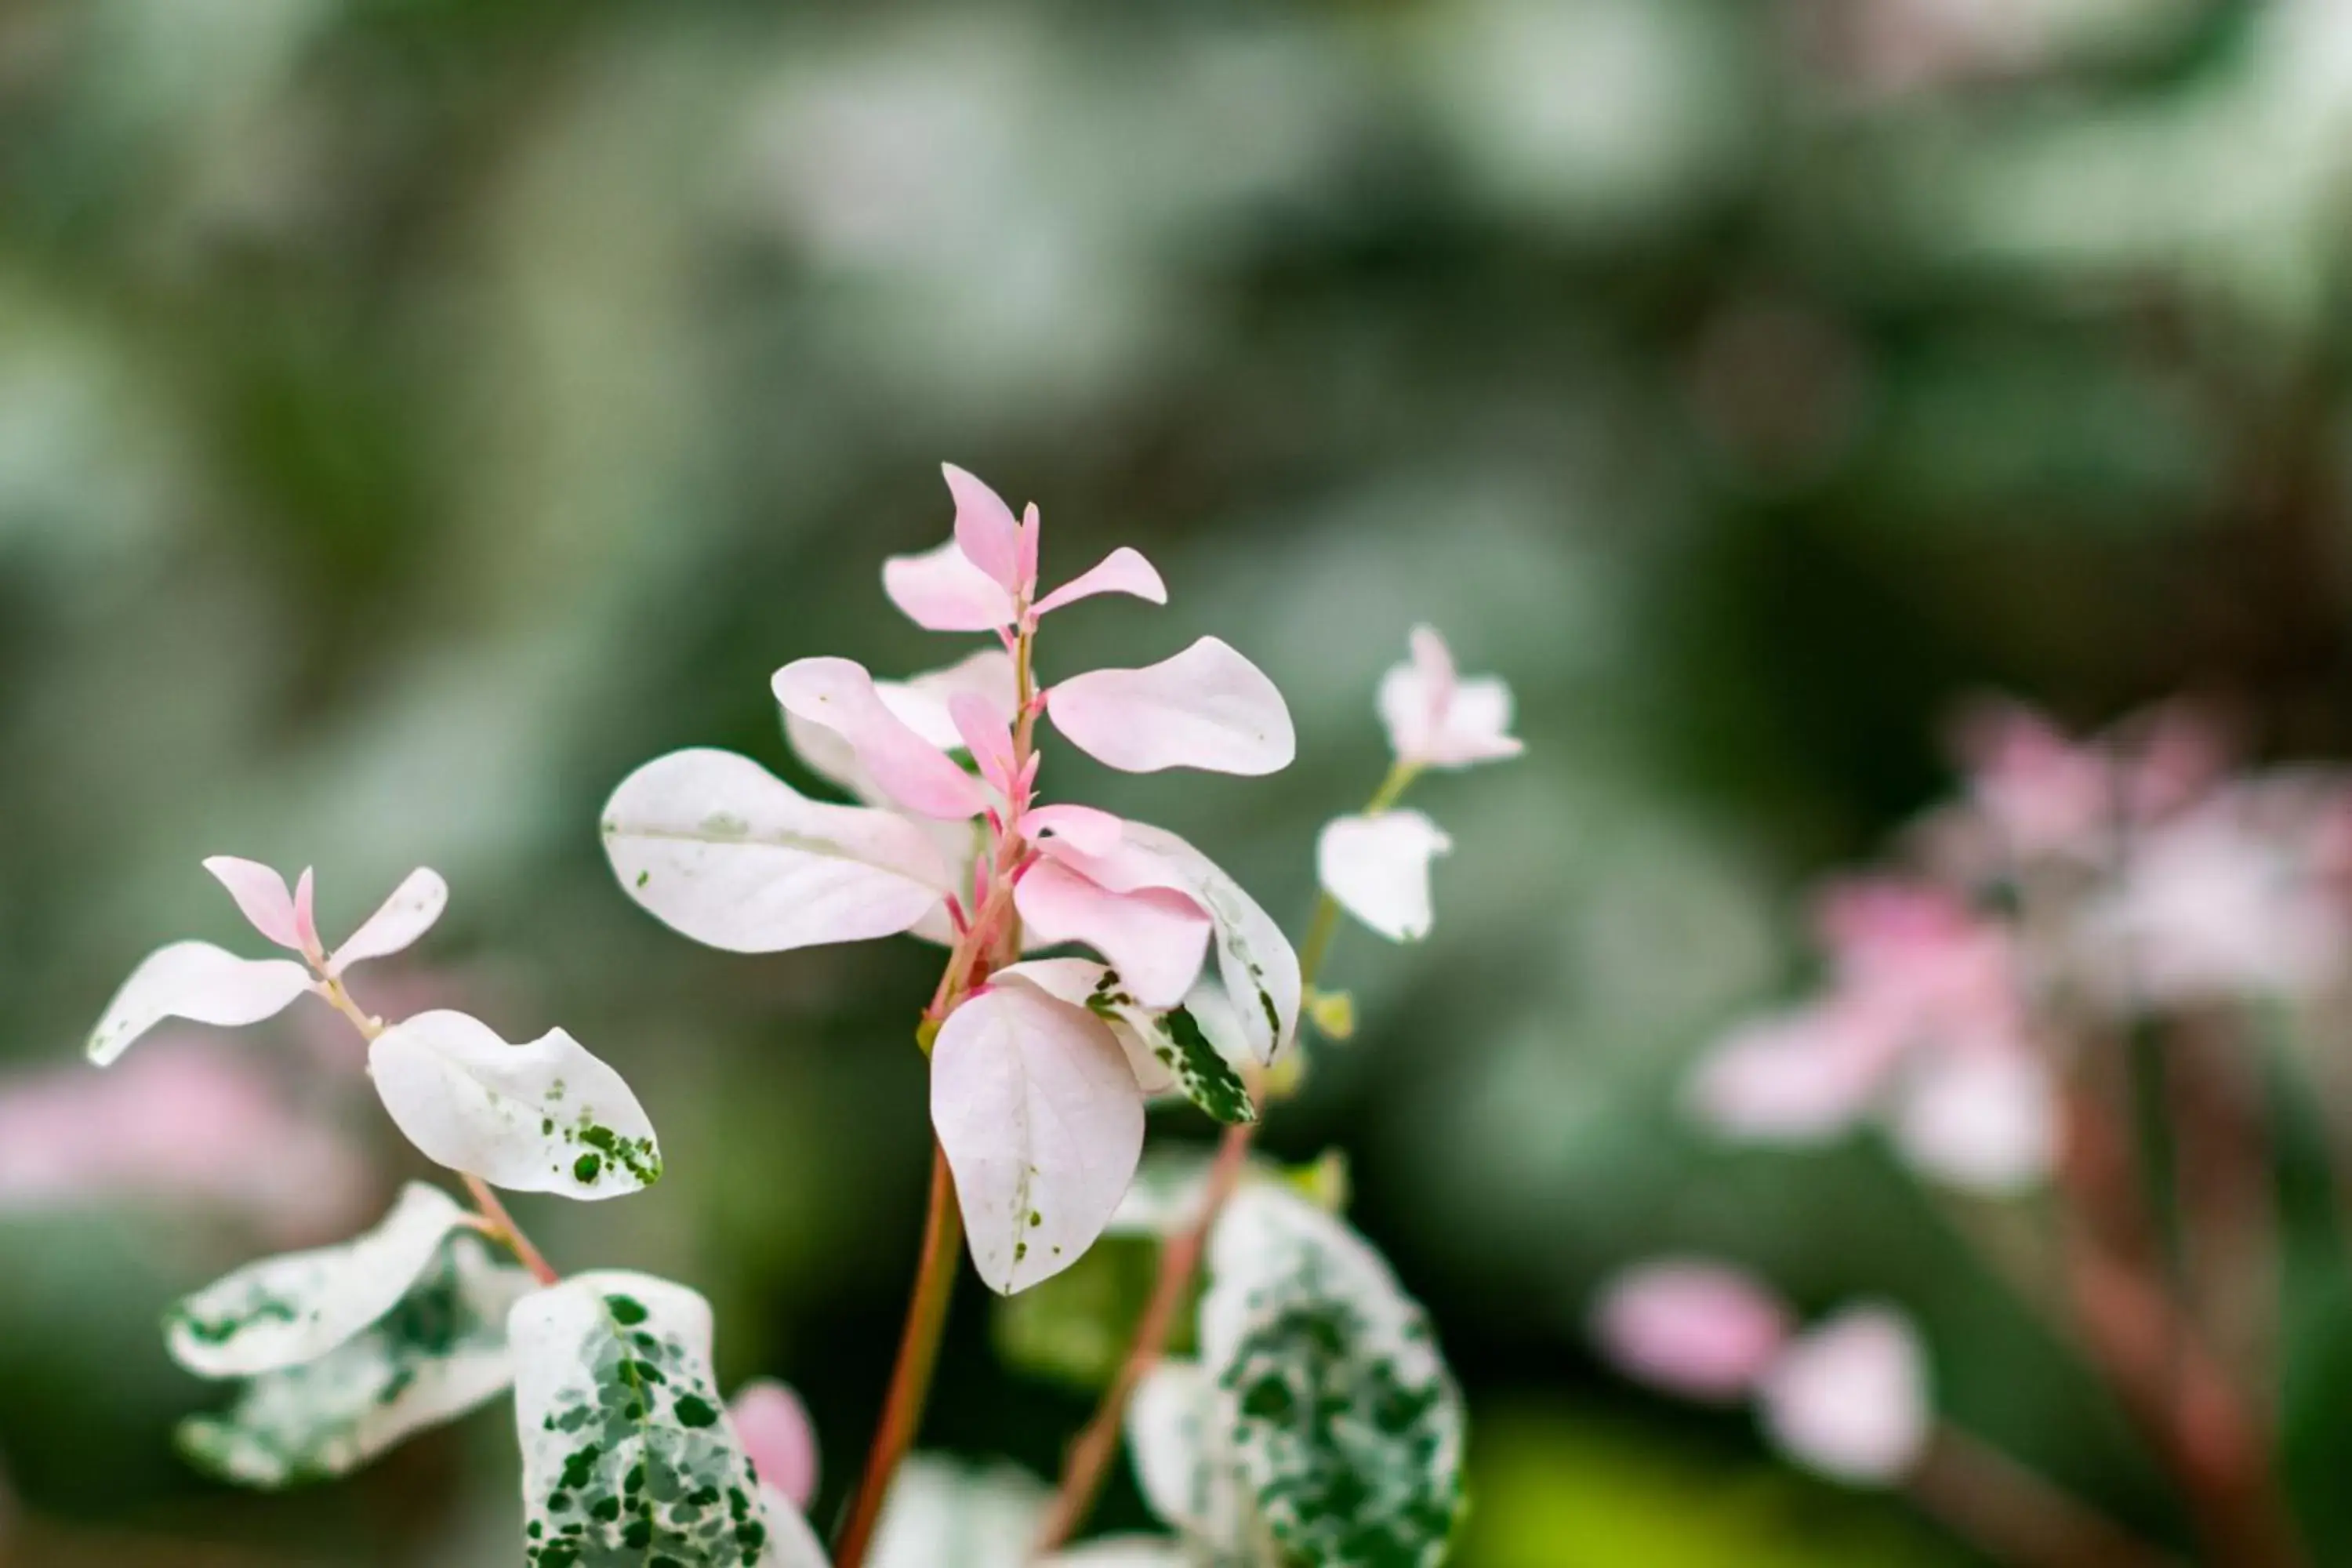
(414, 413)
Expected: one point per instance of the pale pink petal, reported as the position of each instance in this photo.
(1436, 718)
(409, 914)
(984, 529)
(1156, 939)
(989, 739)
(778, 1437)
(1798, 1079)
(306, 913)
(941, 591)
(1849, 1400)
(840, 695)
(1041, 1123)
(1031, 530)
(200, 982)
(260, 893)
(1123, 571)
(1378, 870)
(1082, 827)
(1983, 1120)
(1206, 708)
(1695, 1328)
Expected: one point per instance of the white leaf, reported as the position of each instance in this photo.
(1984, 1120)
(912, 771)
(1123, 1552)
(1341, 1413)
(1378, 870)
(941, 1514)
(284, 1310)
(1254, 960)
(628, 1457)
(1207, 707)
(1156, 936)
(1042, 1122)
(198, 981)
(726, 852)
(409, 914)
(1849, 1399)
(438, 1353)
(1171, 1049)
(544, 1116)
(1184, 1464)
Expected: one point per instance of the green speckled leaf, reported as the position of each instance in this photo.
(283, 1311)
(545, 1117)
(629, 1457)
(1343, 1417)
(438, 1353)
(1185, 1465)
(1178, 1042)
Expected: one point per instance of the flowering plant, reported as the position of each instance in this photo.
(1318, 1423)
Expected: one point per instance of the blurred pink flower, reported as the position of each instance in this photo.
(776, 1433)
(187, 1127)
(1849, 1399)
(1693, 1327)
(1924, 1018)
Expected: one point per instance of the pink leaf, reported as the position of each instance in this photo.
(404, 916)
(774, 1428)
(984, 529)
(989, 739)
(1082, 827)
(941, 591)
(1123, 571)
(1040, 1119)
(1206, 708)
(306, 913)
(1849, 1399)
(1156, 938)
(260, 893)
(1695, 1328)
(840, 695)
(1030, 530)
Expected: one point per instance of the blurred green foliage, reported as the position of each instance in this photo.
(414, 413)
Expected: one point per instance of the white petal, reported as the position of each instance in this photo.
(613, 1385)
(1123, 571)
(839, 694)
(1435, 718)
(1849, 1399)
(1155, 938)
(409, 914)
(1984, 1120)
(262, 895)
(1041, 1123)
(1206, 708)
(724, 851)
(1378, 868)
(198, 981)
(984, 529)
(941, 591)
(284, 1310)
(545, 1117)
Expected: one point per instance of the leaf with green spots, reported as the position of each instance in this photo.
(283, 1311)
(1187, 1471)
(545, 1117)
(440, 1352)
(1343, 1417)
(629, 1457)
(1188, 1050)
